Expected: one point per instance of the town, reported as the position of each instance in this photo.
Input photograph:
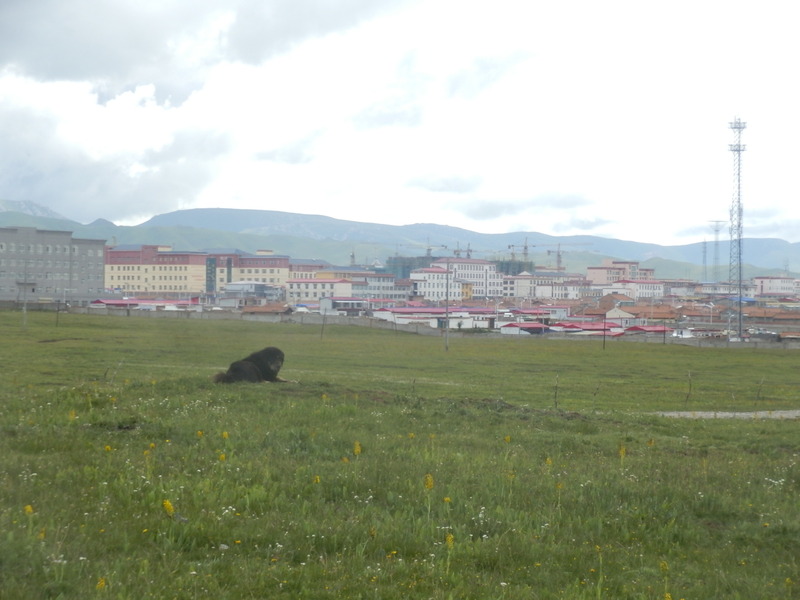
(42, 267)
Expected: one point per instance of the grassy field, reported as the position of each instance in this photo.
(501, 468)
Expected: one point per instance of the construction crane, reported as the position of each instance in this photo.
(559, 254)
(524, 247)
(428, 249)
(457, 252)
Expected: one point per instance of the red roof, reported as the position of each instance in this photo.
(526, 326)
(587, 325)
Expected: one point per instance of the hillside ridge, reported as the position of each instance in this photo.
(344, 242)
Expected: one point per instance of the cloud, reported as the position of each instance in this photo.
(582, 225)
(37, 165)
(264, 29)
(455, 184)
(170, 43)
(482, 74)
(389, 114)
(528, 211)
(299, 152)
(115, 45)
(489, 209)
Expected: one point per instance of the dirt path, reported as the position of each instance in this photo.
(755, 415)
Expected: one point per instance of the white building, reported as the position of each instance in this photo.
(482, 275)
(638, 289)
(544, 286)
(774, 287)
(436, 284)
(379, 285)
(311, 290)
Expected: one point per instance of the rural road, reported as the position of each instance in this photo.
(755, 415)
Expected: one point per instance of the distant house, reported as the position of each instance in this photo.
(524, 328)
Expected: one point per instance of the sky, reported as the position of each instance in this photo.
(565, 118)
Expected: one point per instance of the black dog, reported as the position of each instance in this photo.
(259, 366)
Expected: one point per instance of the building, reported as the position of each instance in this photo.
(301, 291)
(638, 289)
(250, 293)
(141, 269)
(232, 265)
(437, 284)
(372, 285)
(615, 270)
(39, 265)
(482, 275)
(774, 287)
(306, 268)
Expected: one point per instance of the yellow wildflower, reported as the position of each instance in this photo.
(101, 583)
(224, 435)
(449, 541)
(356, 448)
(428, 481)
(168, 508)
(28, 509)
(316, 479)
(507, 439)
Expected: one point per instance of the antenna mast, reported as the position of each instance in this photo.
(717, 225)
(736, 217)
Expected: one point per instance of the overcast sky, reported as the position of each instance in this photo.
(576, 117)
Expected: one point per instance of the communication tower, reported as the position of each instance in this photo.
(735, 278)
(717, 226)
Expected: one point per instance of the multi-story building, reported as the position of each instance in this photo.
(774, 287)
(614, 270)
(237, 265)
(301, 291)
(482, 275)
(639, 289)
(544, 286)
(44, 265)
(437, 284)
(140, 269)
(306, 268)
(145, 269)
(379, 285)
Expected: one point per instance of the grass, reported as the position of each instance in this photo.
(502, 468)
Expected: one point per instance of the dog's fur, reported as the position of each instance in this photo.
(259, 366)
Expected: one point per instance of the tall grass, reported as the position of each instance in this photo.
(393, 469)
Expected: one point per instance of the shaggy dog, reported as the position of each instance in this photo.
(259, 366)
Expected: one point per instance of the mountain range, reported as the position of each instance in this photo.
(342, 242)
